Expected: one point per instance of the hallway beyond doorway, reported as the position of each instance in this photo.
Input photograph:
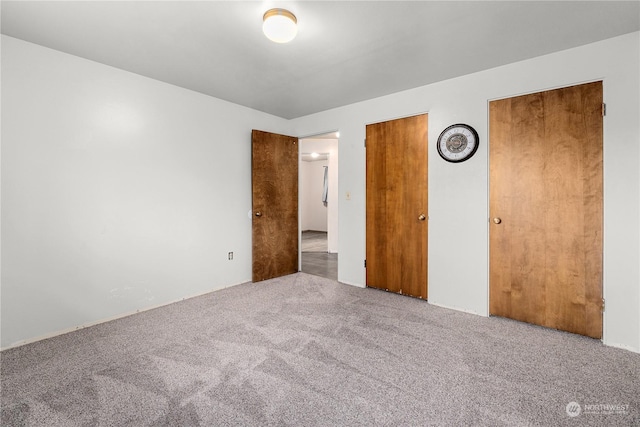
(315, 258)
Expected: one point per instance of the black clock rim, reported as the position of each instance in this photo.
(472, 130)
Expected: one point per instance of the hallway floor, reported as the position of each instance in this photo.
(315, 258)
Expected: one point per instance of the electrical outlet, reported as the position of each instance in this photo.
(230, 255)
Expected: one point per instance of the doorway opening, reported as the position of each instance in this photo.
(318, 189)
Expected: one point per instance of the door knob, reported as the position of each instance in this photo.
(497, 220)
(422, 217)
(258, 213)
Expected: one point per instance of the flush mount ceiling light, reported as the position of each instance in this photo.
(279, 25)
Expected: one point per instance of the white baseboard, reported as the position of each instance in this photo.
(109, 319)
(622, 346)
(455, 308)
(357, 285)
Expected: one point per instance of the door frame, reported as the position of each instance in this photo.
(604, 193)
(300, 138)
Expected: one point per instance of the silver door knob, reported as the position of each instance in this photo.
(422, 217)
(497, 220)
(258, 213)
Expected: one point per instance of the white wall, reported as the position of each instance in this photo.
(458, 193)
(328, 146)
(312, 211)
(119, 192)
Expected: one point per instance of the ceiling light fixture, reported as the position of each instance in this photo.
(279, 25)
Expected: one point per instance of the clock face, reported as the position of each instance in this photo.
(457, 143)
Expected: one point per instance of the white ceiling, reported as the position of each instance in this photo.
(345, 52)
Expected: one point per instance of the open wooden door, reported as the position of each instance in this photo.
(275, 205)
(397, 206)
(546, 208)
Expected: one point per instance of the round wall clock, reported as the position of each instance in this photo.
(458, 143)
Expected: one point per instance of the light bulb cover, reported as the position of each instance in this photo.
(279, 25)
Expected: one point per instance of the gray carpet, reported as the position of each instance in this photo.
(306, 351)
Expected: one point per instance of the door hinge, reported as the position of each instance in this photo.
(365, 263)
(365, 143)
(603, 305)
(604, 109)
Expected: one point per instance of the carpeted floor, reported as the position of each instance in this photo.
(307, 351)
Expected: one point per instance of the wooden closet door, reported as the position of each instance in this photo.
(397, 206)
(545, 153)
(275, 205)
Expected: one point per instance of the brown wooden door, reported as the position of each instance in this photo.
(275, 205)
(546, 188)
(397, 206)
